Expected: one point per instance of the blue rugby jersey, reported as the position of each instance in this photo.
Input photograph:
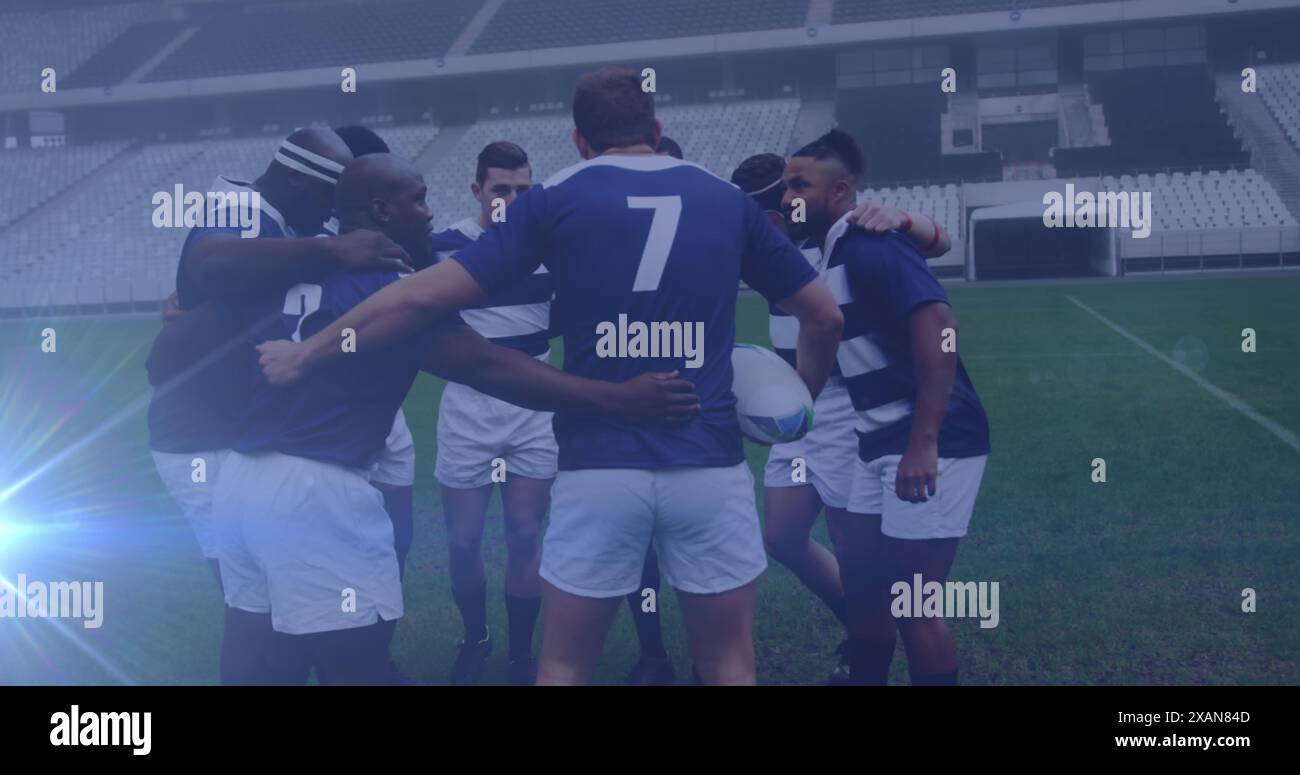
(203, 411)
(518, 316)
(633, 241)
(342, 412)
(879, 279)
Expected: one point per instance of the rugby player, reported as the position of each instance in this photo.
(794, 494)
(482, 440)
(922, 435)
(195, 413)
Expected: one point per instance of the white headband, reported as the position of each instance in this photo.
(296, 157)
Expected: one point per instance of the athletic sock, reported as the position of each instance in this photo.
(648, 632)
(521, 615)
(869, 661)
(840, 609)
(472, 604)
(948, 678)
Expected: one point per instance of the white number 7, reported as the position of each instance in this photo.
(663, 230)
(301, 300)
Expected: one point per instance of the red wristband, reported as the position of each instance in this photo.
(937, 233)
(907, 227)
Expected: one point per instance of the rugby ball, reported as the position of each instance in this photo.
(772, 403)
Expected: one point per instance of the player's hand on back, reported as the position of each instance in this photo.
(282, 361)
(657, 398)
(366, 250)
(877, 218)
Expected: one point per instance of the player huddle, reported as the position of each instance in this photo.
(285, 360)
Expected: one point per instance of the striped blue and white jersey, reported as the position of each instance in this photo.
(782, 328)
(518, 316)
(879, 280)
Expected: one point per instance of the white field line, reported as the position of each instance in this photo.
(1242, 407)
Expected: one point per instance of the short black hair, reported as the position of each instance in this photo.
(759, 176)
(502, 155)
(669, 146)
(835, 144)
(612, 111)
(362, 140)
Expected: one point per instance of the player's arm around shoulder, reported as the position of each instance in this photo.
(458, 353)
(923, 231)
(227, 265)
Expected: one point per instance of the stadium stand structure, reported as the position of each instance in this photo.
(62, 39)
(848, 11)
(901, 142)
(253, 40)
(1160, 119)
(528, 24)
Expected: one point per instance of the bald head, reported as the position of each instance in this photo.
(386, 193)
(375, 176)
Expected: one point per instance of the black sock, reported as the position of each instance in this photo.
(840, 610)
(869, 661)
(948, 678)
(472, 604)
(521, 615)
(648, 631)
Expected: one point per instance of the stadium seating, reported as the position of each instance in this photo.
(1213, 200)
(30, 177)
(102, 232)
(1280, 87)
(1163, 118)
(717, 136)
(125, 54)
(530, 24)
(62, 39)
(254, 39)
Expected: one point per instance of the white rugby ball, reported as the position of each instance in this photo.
(772, 402)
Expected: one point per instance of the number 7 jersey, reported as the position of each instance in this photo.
(646, 254)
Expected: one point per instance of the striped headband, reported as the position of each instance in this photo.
(298, 158)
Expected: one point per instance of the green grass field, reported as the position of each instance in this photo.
(1135, 581)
